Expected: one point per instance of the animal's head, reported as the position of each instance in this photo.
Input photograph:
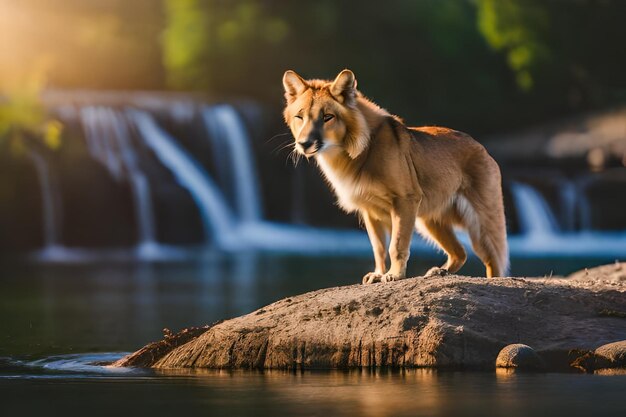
(323, 115)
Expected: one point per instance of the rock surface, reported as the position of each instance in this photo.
(614, 353)
(609, 356)
(519, 356)
(451, 321)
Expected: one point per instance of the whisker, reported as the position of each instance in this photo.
(283, 146)
(294, 156)
(277, 136)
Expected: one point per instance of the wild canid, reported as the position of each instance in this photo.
(399, 178)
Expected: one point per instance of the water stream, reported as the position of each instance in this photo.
(216, 217)
(535, 216)
(232, 150)
(64, 324)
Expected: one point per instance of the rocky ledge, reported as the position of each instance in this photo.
(441, 322)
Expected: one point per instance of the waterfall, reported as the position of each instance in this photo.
(230, 203)
(138, 183)
(233, 157)
(220, 150)
(99, 143)
(568, 194)
(541, 236)
(109, 142)
(584, 206)
(50, 206)
(576, 207)
(216, 218)
(535, 216)
(248, 230)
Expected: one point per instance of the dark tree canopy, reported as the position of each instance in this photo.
(481, 66)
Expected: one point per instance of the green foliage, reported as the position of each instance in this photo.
(564, 54)
(206, 42)
(479, 65)
(519, 29)
(185, 43)
(23, 117)
(425, 60)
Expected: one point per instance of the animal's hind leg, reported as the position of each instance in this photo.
(444, 236)
(485, 254)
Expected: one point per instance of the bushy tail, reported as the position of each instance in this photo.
(482, 210)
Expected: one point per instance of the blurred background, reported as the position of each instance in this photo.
(144, 165)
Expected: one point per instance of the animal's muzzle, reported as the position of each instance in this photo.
(307, 145)
(312, 143)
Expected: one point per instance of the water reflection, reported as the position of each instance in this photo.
(68, 383)
(360, 393)
(403, 393)
(119, 306)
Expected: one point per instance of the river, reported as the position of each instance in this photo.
(60, 322)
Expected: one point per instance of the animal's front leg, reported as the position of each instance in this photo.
(402, 222)
(378, 238)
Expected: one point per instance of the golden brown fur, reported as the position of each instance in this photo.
(399, 178)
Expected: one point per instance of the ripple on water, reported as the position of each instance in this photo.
(83, 365)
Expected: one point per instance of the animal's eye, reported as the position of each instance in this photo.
(328, 117)
(299, 117)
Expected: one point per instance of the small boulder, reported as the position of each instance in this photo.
(518, 356)
(613, 353)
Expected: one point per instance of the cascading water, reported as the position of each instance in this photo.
(139, 185)
(568, 194)
(231, 145)
(109, 142)
(541, 235)
(50, 208)
(576, 211)
(217, 220)
(234, 159)
(99, 142)
(535, 216)
(228, 231)
(584, 206)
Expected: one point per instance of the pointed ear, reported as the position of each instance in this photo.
(294, 85)
(344, 87)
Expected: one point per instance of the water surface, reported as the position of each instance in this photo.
(69, 385)
(61, 322)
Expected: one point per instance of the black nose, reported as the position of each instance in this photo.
(306, 144)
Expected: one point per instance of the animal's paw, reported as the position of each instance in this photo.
(437, 272)
(391, 277)
(371, 277)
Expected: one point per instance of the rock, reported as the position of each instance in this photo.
(614, 353)
(603, 277)
(450, 321)
(147, 355)
(519, 356)
(609, 356)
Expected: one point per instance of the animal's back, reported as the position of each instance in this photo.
(454, 142)
(441, 158)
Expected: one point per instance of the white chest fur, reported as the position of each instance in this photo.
(346, 188)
